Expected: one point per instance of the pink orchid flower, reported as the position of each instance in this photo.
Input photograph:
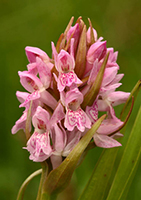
(64, 63)
(37, 87)
(39, 143)
(75, 116)
(96, 51)
(21, 122)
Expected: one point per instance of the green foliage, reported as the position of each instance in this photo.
(96, 187)
(128, 162)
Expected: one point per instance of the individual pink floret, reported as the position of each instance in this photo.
(39, 147)
(75, 116)
(39, 143)
(24, 98)
(64, 63)
(38, 91)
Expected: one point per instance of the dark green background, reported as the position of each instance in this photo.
(37, 23)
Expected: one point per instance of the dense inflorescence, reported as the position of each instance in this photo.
(66, 93)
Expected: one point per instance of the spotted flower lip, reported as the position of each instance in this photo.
(39, 147)
(68, 92)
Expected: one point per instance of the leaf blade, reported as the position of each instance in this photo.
(95, 188)
(128, 162)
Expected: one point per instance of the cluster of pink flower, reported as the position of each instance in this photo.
(59, 94)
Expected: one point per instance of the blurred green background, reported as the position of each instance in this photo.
(37, 23)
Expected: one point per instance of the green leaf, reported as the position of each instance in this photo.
(95, 188)
(59, 178)
(128, 162)
(45, 170)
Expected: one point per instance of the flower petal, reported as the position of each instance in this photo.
(58, 115)
(44, 73)
(31, 97)
(92, 112)
(33, 52)
(20, 123)
(58, 138)
(118, 97)
(109, 125)
(96, 51)
(29, 81)
(21, 96)
(40, 118)
(109, 75)
(105, 142)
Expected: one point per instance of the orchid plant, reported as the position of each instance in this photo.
(66, 95)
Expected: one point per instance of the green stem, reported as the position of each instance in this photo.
(43, 177)
(25, 183)
(46, 196)
(43, 195)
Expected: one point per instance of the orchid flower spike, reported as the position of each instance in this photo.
(69, 91)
